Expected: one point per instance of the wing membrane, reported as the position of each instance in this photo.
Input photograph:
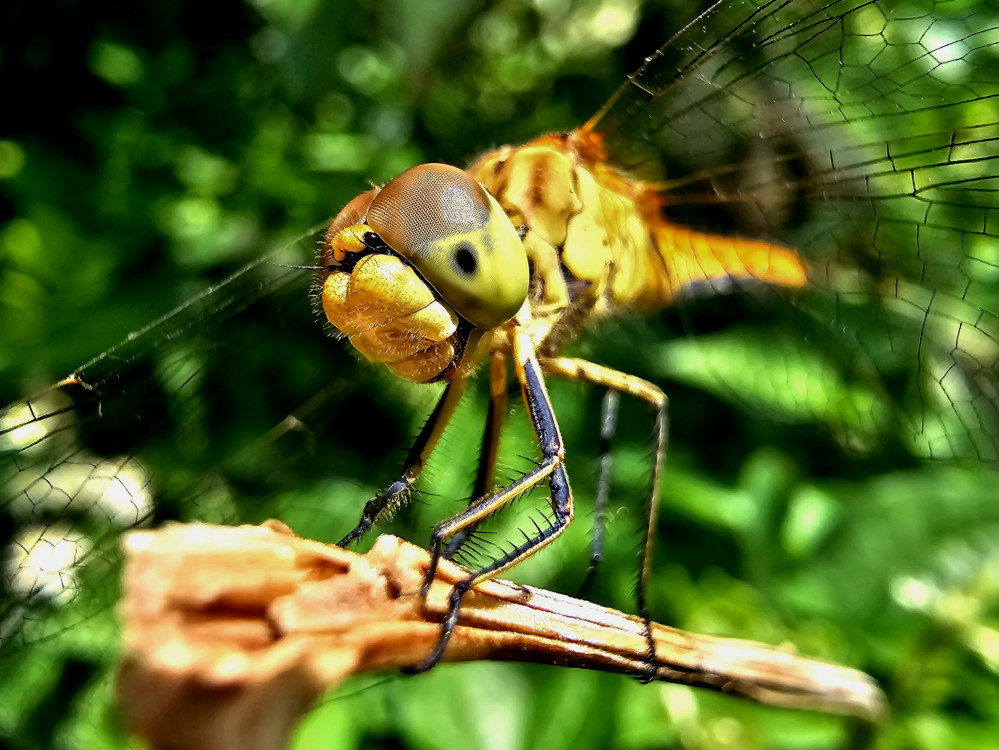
(865, 135)
(145, 431)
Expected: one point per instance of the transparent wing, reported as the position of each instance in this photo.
(865, 135)
(155, 429)
(70, 475)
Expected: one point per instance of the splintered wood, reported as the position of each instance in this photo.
(232, 633)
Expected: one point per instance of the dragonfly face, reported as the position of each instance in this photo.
(854, 143)
(437, 221)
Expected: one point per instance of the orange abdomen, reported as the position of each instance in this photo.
(589, 223)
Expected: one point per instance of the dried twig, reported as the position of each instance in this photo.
(232, 633)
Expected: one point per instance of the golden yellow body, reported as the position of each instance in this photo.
(594, 241)
(609, 233)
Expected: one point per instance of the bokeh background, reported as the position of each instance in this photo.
(148, 151)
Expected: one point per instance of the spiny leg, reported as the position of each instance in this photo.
(490, 445)
(390, 498)
(551, 467)
(579, 369)
(608, 427)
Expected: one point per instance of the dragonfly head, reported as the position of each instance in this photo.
(412, 267)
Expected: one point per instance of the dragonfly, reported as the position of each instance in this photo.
(831, 166)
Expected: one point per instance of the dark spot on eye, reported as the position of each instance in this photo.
(466, 260)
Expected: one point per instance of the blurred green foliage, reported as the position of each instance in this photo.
(148, 150)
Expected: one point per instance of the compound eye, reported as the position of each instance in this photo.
(458, 238)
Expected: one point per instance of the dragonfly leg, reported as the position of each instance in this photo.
(490, 445)
(616, 381)
(388, 500)
(609, 406)
(551, 467)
